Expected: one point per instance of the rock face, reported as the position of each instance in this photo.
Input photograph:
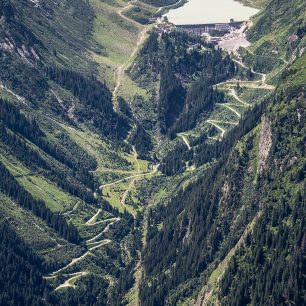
(204, 296)
(265, 143)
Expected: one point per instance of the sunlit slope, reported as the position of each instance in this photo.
(278, 29)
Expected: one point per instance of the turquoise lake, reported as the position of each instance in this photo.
(210, 11)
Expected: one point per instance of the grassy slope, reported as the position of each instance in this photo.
(279, 40)
(275, 24)
(294, 81)
(97, 44)
(117, 35)
(266, 36)
(88, 39)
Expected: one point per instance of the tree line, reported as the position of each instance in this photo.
(11, 120)
(96, 99)
(186, 68)
(14, 190)
(206, 219)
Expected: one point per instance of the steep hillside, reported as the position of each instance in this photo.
(71, 176)
(17, 259)
(236, 235)
(57, 126)
(279, 30)
(141, 166)
(257, 195)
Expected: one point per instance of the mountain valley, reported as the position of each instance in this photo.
(141, 164)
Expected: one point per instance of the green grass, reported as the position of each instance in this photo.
(274, 25)
(105, 155)
(217, 273)
(36, 233)
(113, 195)
(114, 33)
(131, 89)
(298, 73)
(140, 13)
(4, 94)
(253, 95)
(41, 188)
(254, 3)
(117, 36)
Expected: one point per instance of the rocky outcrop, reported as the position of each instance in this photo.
(265, 143)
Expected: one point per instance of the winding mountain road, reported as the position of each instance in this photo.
(212, 122)
(226, 122)
(228, 106)
(234, 94)
(72, 210)
(93, 219)
(92, 244)
(123, 180)
(127, 191)
(126, 8)
(262, 84)
(70, 281)
(72, 262)
(185, 139)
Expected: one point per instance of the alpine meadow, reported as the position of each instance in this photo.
(151, 159)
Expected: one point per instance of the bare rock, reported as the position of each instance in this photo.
(265, 143)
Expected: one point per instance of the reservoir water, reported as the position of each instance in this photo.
(210, 11)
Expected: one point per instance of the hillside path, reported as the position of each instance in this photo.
(231, 109)
(212, 122)
(126, 8)
(185, 139)
(121, 69)
(234, 94)
(70, 281)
